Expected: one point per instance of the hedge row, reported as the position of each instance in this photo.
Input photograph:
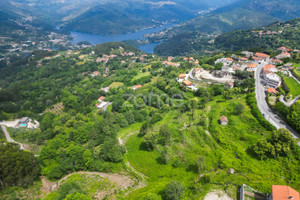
(251, 101)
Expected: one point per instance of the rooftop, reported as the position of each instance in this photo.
(223, 119)
(283, 192)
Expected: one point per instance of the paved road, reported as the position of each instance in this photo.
(281, 99)
(9, 139)
(263, 106)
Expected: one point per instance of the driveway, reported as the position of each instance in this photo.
(9, 139)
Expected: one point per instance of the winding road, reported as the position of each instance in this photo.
(273, 118)
(9, 139)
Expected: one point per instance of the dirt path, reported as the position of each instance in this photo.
(142, 178)
(217, 195)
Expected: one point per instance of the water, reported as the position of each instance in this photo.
(139, 35)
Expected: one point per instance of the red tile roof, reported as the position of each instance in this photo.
(257, 58)
(101, 98)
(262, 55)
(272, 90)
(187, 83)
(283, 192)
(267, 67)
(223, 119)
(252, 65)
(181, 75)
(138, 86)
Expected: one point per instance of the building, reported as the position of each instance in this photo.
(242, 59)
(271, 79)
(95, 73)
(225, 61)
(262, 55)
(169, 63)
(251, 67)
(136, 87)
(272, 91)
(283, 55)
(247, 53)
(187, 83)
(230, 84)
(223, 120)
(181, 77)
(100, 99)
(106, 89)
(276, 61)
(24, 121)
(257, 59)
(283, 192)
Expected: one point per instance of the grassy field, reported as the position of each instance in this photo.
(296, 64)
(297, 71)
(293, 86)
(140, 75)
(91, 185)
(219, 149)
(116, 84)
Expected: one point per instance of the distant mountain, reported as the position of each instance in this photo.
(244, 14)
(238, 15)
(119, 17)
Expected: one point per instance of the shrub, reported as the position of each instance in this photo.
(174, 190)
(251, 101)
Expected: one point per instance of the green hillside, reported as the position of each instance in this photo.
(160, 142)
(237, 16)
(268, 37)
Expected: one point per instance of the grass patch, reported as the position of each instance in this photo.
(116, 84)
(32, 192)
(89, 184)
(293, 86)
(140, 75)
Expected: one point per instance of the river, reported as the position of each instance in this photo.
(139, 35)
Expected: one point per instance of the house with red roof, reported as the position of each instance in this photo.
(272, 91)
(251, 67)
(136, 87)
(187, 83)
(262, 56)
(102, 98)
(283, 192)
(223, 120)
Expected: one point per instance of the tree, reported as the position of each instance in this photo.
(17, 167)
(165, 133)
(129, 117)
(149, 141)
(219, 66)
(144, 128)
(239, 109)
(174, 190)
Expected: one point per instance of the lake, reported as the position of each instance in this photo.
(139, 35)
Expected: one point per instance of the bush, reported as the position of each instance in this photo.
(174, 190)
(251, 101)
(149, 141)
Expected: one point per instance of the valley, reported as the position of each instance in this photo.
(149, 100)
